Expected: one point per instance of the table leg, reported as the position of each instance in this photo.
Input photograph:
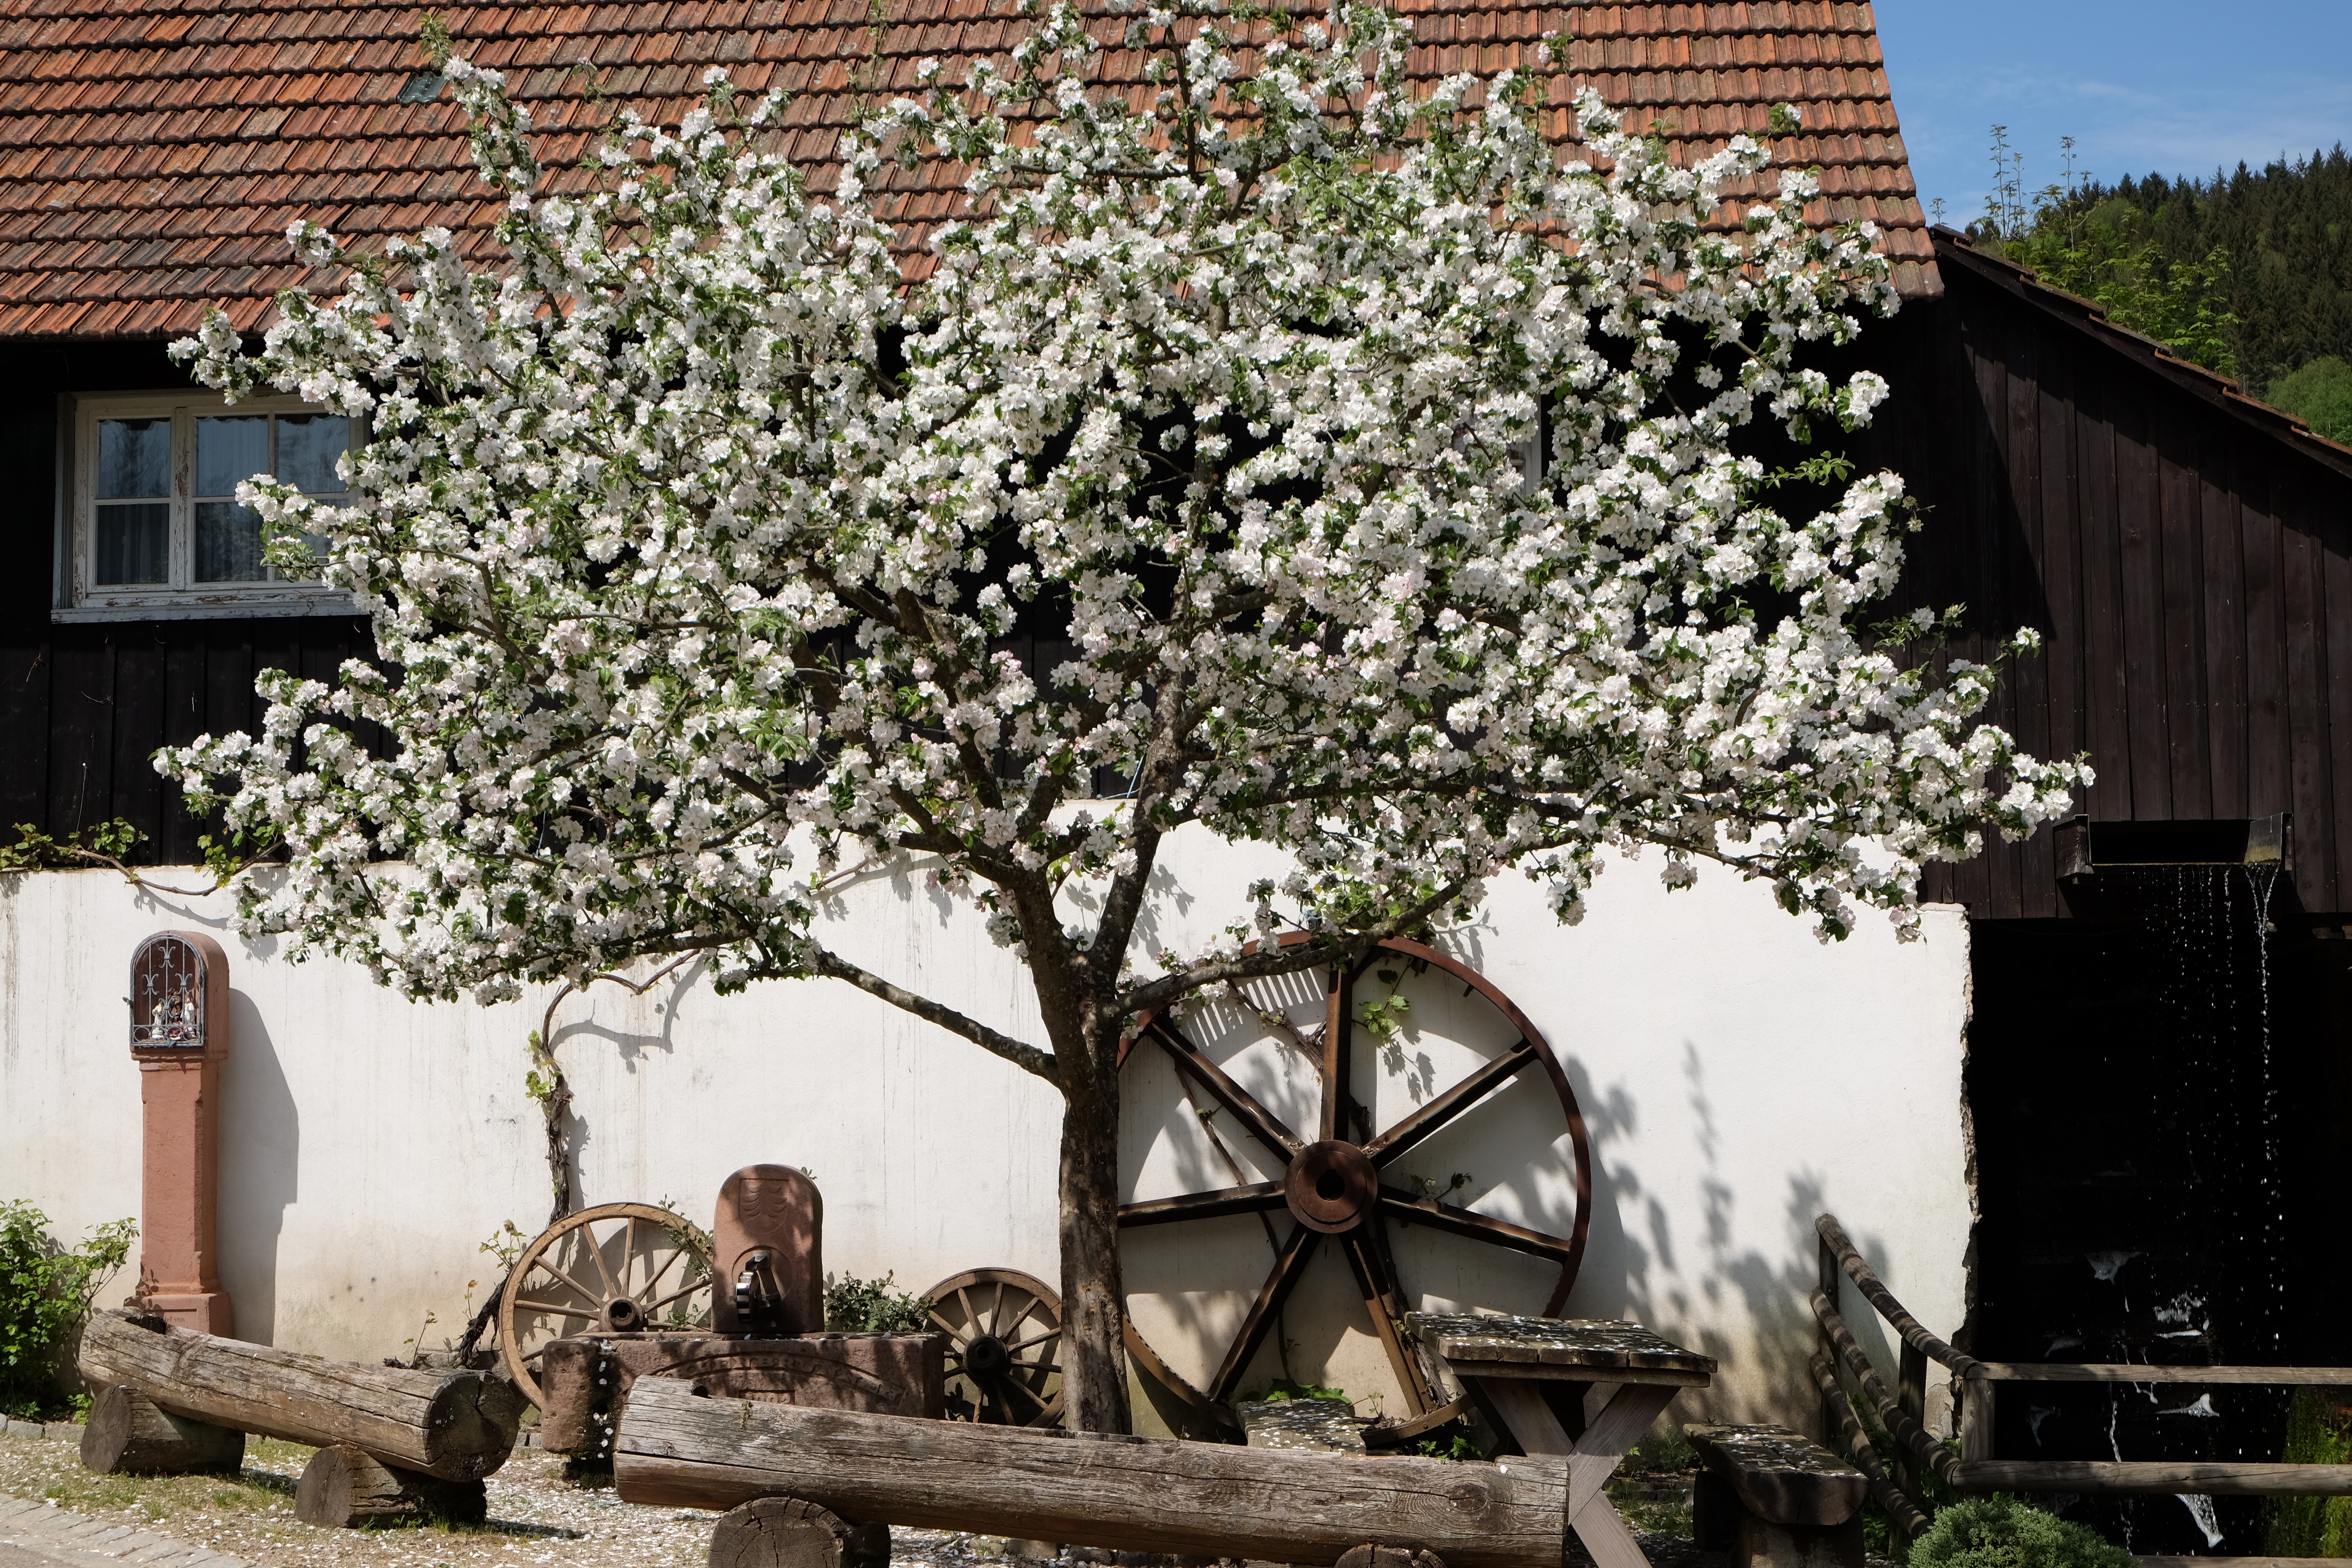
(1609, 1538)
(1591, 1459)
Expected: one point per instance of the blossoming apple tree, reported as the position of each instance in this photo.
(1391, 474)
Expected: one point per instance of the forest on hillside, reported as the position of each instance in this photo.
(2247, 272)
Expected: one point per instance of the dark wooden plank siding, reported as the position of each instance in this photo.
(2191, 572)
(84, 706)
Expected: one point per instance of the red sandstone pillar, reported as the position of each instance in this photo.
(179, 1036)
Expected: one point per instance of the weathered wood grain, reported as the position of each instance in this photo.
(1469, 1340)
(2105, 1476)
(676, 1449)
(128, 1434)
(343, 1486)
(1779, 1477)
(793, 1532)
(458, 1426)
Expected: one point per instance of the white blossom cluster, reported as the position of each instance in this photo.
(1388, 475)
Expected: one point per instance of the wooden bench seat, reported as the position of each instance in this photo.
(1775, 1500)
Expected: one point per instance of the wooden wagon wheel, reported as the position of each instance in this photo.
(1004, 1334)
(615, 1269)
(1330, 1178)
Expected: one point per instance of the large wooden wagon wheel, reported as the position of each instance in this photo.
(1004, 1347)
(1338, 1179)
(615, 1269)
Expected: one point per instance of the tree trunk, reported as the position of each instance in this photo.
(1094, 1309)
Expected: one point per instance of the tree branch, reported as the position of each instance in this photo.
(1028, 1058)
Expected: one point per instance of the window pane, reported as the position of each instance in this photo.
(229, 543)
(132, 543)
(308, 446)
(229, 451)
(134, 460)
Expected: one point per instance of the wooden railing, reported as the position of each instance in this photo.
(1902, 1412)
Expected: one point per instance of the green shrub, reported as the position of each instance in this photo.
(45, 1293)
(2318, 1432)
(2004, 1532)
(854, 1305)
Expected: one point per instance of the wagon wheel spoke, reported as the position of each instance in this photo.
(1338, 1031)
(653, 1307)
(551, 1308)
(1427, 1119)
(655, 1279)
(1014, 1385)
(1261, 1123)
(996, 1311)
(583, 1292)
(1418, 1210)
(1288, 1265)
(947, 1328)
(1376, 1278)
(596, 1255)
(1256, 1197)
(1019, 1346)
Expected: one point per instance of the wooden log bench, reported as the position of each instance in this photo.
(583, 1380)
(1775, 1500)
(1307, 1426)
(393, 1442)
(675, 1448)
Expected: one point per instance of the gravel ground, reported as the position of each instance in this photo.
(536, 1516)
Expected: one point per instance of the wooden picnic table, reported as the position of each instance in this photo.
(1501, 1362)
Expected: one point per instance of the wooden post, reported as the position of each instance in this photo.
(1829, 1272)
(789, 1533)
(343, 1486)
(1977, 1407)
(128, 1435)
(1911, 1396)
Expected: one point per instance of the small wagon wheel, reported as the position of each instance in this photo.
(1330, 1178)
(615, 1269)
(1004, 1349)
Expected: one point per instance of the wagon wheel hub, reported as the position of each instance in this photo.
(622, 1315)
(986, 1358)
(1332, 1186)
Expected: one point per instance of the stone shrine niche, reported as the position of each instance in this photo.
(179, 1039)
(168, 985)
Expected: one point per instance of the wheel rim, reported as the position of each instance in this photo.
(1004, 1338)
(1327, 1177)
(615, 1269)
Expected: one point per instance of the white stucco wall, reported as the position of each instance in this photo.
(1736, 1077)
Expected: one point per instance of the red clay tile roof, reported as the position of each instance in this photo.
(152, 153)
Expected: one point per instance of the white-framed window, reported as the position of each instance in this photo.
(155, 530)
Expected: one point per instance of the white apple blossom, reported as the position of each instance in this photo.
(1395, 479)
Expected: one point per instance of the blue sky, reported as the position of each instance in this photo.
(2143, 86)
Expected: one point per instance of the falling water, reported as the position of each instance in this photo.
(2208, 1071)
(2260, 879)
